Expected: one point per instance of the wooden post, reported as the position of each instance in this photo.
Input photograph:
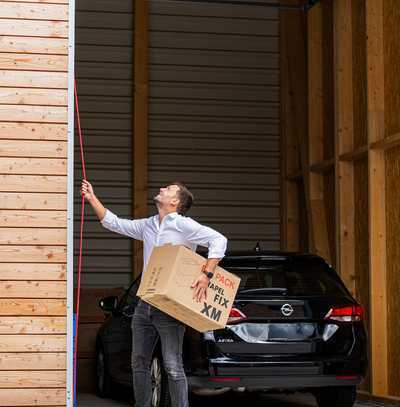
(312, 152)
(140, 123)
(344, 179)
(293, 118)
(376, 182)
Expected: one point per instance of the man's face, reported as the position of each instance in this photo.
(167, 196)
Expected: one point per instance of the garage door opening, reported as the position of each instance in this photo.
(213, 122)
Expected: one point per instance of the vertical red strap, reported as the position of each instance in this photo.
(78, 289)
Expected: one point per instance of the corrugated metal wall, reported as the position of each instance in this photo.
(214, 114)
(104, 69)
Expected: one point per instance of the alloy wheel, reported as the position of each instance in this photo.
(156, 382)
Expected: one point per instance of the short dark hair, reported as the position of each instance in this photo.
(185, 197)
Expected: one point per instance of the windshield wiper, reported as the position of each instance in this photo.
(265, 290)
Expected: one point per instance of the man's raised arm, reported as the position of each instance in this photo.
(127, 227)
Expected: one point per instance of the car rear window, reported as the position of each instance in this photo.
(294, 277)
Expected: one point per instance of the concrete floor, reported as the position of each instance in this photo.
(298, 400)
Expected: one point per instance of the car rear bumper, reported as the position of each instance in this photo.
(224, 372)
(271, 382)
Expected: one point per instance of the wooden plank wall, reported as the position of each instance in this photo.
(391, 42)
(33, 202)
(353, 163)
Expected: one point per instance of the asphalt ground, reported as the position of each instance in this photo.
(227, 400)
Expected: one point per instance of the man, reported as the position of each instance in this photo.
(149, 323)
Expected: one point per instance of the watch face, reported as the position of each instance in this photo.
(210, 274)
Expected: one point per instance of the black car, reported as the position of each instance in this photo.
(293, 326)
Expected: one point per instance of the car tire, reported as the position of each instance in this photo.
(103, 379)
(344, 396)
(159, 384)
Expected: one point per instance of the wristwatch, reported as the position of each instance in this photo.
(209, 274)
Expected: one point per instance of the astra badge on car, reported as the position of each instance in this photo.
(287, 310)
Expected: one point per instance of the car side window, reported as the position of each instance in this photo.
(130, 297)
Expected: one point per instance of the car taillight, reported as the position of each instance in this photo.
(235, 316)
(350, 313)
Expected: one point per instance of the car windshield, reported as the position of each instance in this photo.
(297, 277)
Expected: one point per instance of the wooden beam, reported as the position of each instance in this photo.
(294, 118)
(344, 177)
(297, 176)
(323, 166)
(312, 150)
(376, 183)
(386, 143)
(140, 132)
(357, 154)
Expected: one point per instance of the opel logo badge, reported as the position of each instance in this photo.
(287, 310)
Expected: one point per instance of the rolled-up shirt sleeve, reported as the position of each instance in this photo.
(204, 236)
(132, 228)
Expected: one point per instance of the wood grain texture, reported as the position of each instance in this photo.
(361, 247)
(293, 64)
(313, 148)
(29, 271)
(33, 289)
(330, 213)
(140, 124)
(33, 148)
(377, 205)
(33, 183)
(32, 236)
(44, 166)
(327, 67)
(26, 201)
(49, 219)
(378, 272)
(53, 29)
(44, 1)
(34, 11)
(33, 254)
(27, 307)
(343, 137)
(33, 79)
(393, 259)
(33, 62)
(391, 41)
(32, 397)
(33, 379)
(24, 113)
(25, 96)
(33, 325)
(33, 131)
(359, 73)
(34, 45)
(32, 361)
(33, 343)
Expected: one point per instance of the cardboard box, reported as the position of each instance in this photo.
(166, 285)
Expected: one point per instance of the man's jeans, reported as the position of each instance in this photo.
(149, 324)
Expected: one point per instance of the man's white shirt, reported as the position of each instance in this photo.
(175, 229)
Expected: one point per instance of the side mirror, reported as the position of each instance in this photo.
(108, 304)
